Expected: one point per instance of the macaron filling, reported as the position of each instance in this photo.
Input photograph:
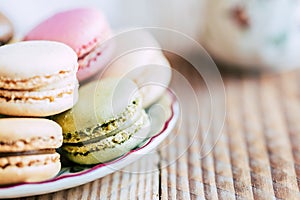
(32, 82)
(110, 141)
(125, 119)
(31, 96)
(21, 161)
(27, 153)
(37, 89)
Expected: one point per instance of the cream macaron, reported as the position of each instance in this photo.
(27, 149)
(37, 78)
(146, 65)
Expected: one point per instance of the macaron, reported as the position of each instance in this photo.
(27, 149)
(146, 66)
(84, 30)
(37, 78)
(6, 29)
(107, 122)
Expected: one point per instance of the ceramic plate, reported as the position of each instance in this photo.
(163, 117)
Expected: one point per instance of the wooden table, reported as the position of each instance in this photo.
(256, 155)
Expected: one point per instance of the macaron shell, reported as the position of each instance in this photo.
(25, 60)
(6, 29)
(42, 167)
(21, 134)
(80, 28)
(99, 102)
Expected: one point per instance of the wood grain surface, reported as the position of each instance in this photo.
(256, 155)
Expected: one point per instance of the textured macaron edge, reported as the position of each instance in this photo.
(32, 168)
(95, 61)
(131, 114)
(99, 102)
(39, 108)
(93, 45)
(132, 140)
(35, 82)
(22, 134)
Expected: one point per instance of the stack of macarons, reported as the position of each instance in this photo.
(37, 79)
(50, 99)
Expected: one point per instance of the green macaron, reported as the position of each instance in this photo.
(107, 122)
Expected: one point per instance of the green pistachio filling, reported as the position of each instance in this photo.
(106, 129)
(108, 142)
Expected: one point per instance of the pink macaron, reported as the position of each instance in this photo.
(84, 30)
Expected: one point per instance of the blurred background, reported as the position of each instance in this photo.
(185, 17)
(241, 34)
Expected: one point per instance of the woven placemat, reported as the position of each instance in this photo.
(255, 156)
